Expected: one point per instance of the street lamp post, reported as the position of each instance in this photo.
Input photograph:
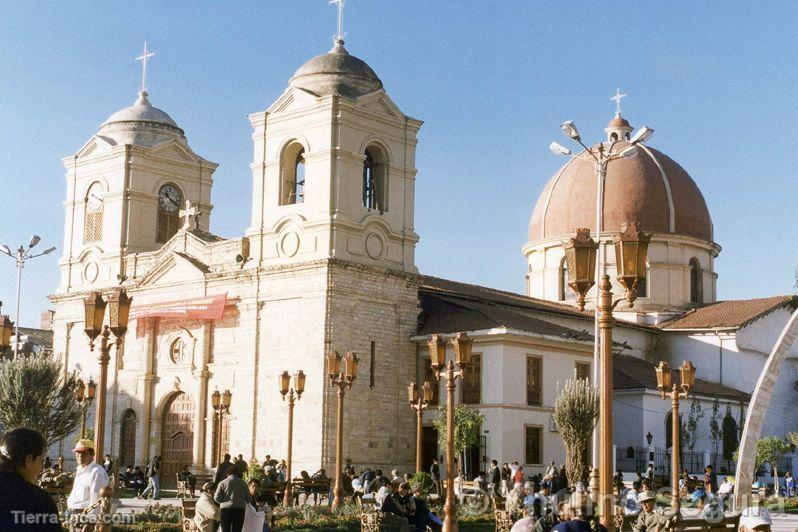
(20, 256)
(221, 406)
(631, 248)
(294, 393)
(419, 402)
(600, 158)
(667, 385)
(118, 304)
(453, 370)
(342, 379)
(84, 395)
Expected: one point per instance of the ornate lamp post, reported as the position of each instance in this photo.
(294, 394)
(118, 304)
(221, 406)
(419, 403)
(631, 248)
(667, 385)
(453, 370)
(84, 395)
(342, 379)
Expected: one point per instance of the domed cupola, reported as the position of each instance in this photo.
(336, 73)
(642, 185)
(140, 124)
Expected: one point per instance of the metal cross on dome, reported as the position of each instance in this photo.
(340, 34)
(617, 100)
(188, 213)
(144, 58)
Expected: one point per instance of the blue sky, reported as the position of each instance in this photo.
(491, 80)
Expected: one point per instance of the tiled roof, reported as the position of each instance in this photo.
(205, 236)
(37, 336)
(632, 373)
(441, 313)
(729, 314)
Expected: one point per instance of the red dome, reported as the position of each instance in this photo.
(649, 188)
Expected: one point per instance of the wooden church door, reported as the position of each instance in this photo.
(177, 437)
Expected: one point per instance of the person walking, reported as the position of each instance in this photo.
(153, 480)
(232, 494)
(507, 478)
(21, 458)
(90, 478)
(435, 473)
(221, 469)
(495, 481)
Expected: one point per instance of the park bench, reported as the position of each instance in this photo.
(310, 487)
(187, 509)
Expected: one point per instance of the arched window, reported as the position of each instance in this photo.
(93, 221)
(170, 200)
(292, 188)
(127, 440)
(375, 180)
(614, 136)
(696, 282)
(563, 280)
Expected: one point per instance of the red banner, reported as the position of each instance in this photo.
(203, 308)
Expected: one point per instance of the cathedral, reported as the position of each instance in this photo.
(327, 263)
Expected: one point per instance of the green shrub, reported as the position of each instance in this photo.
(424, 480)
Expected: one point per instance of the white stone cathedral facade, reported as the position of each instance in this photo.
(327, 263)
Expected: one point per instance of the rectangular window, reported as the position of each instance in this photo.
(93, 227)
(533, 444)
(534, 395)
(472, 383)
(583, 371)
(430, 378)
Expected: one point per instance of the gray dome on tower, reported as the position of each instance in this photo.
(336, 73)
(140, 124)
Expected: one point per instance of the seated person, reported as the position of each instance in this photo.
(320, 475)
(404, 500)
(529, 497)
(480, 482)
(393, 515)
(632, 503)
(514, 503)
(698, 496)
(651, 518)
(726, 489)
(424, 517)
(304, 488)
(190, 480)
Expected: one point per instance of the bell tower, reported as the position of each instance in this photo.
(334, 169)
(125, 189)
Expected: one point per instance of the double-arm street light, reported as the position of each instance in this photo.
(419, 402)
(294, 393)
(342, 378)
(84, 395)
(631, 249)
(21, 255)
(220, 402)
(451, 371)
(667, 385)
(94, 315)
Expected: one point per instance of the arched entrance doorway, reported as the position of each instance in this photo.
(127, 440)
(177, 437)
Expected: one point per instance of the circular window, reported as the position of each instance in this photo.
(177, 352)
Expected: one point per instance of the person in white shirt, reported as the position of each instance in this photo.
(632, 504)
(90, 478)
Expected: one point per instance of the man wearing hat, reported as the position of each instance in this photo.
(90, 478)
(651, 519)
(755, 519)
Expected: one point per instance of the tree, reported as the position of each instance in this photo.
(730, 433)
(695, 415)
(792, 438)
(715, 431)
(769, 451)
(576, 411)
(35, 393)
(467, 423)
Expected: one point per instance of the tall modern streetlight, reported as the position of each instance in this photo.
(631, 249)
(94, 315)
(220, 402)
(419, 402)
(294, 393)
(20, 256)
(342, 378)
(667, 385)
(84, 395)
(452, 370)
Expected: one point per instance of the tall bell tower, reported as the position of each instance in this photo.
(334, 169)
(125, 189)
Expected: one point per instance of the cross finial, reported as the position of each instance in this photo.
(188, 213)
(617, 99)
(339, 36)
(144, 58)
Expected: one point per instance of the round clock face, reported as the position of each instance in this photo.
(169, 198)
(94, 200)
